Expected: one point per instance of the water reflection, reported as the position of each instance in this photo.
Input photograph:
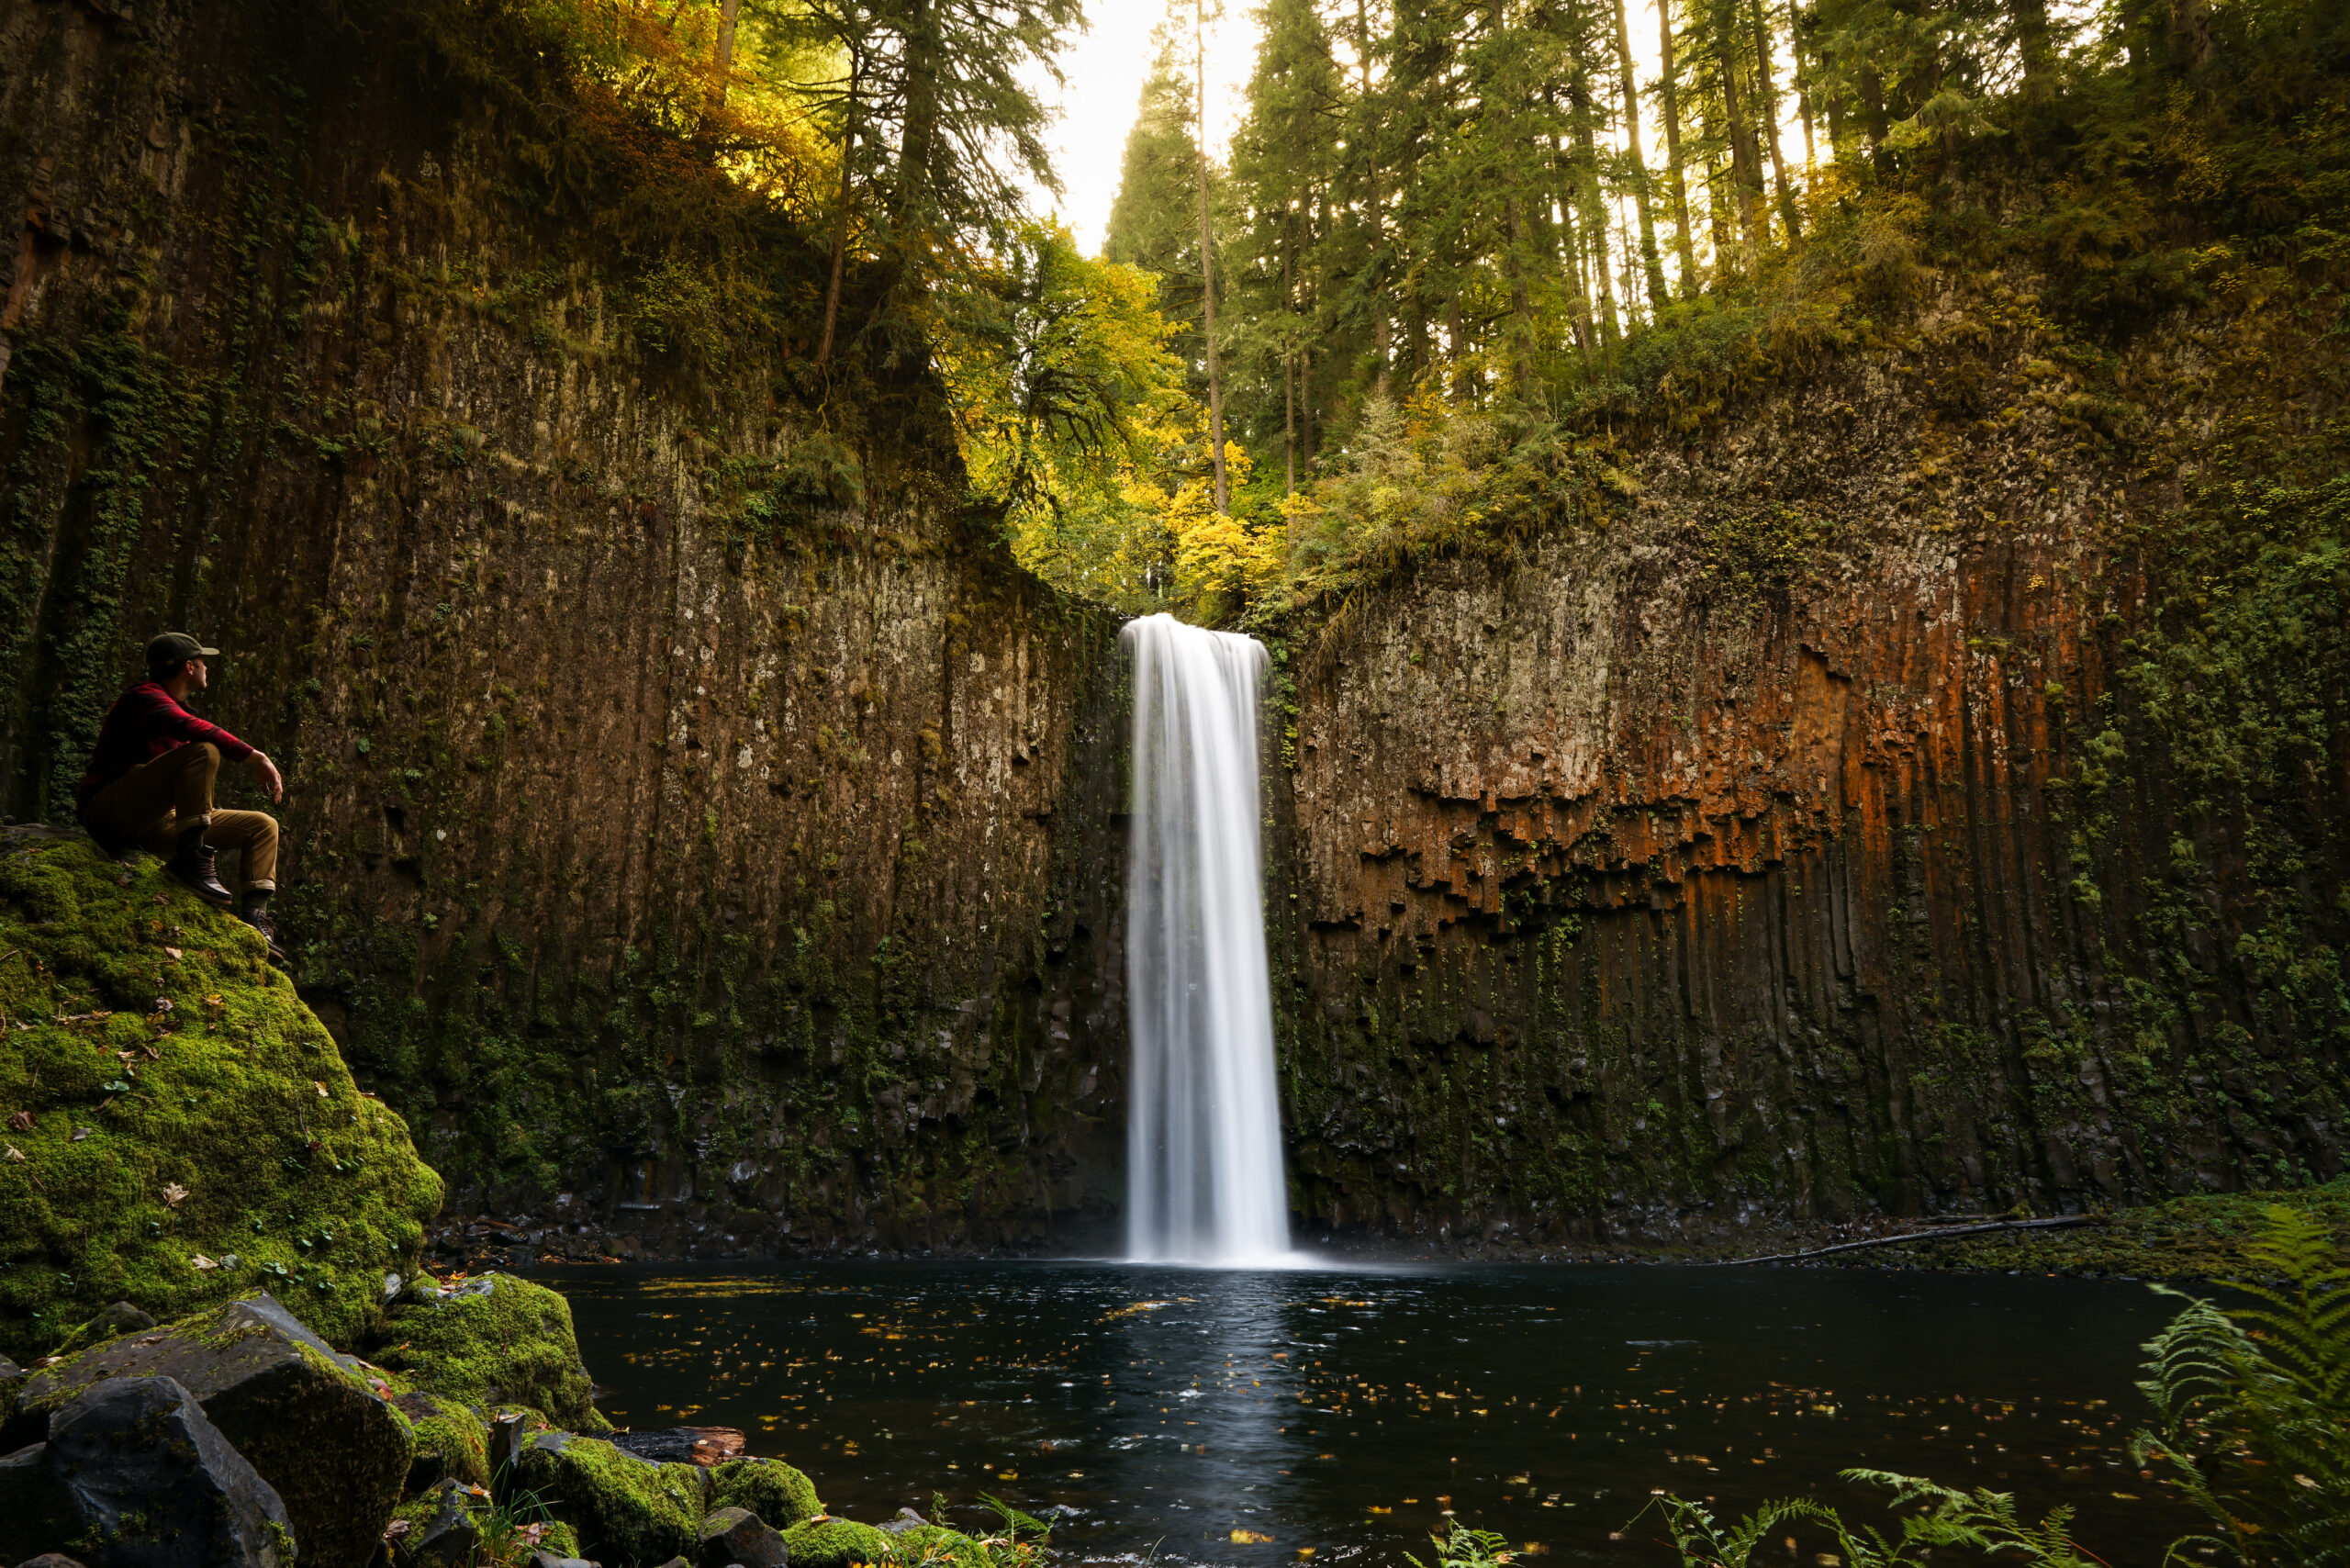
(1246, 1417)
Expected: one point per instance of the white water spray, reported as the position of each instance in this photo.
(1203, 1140)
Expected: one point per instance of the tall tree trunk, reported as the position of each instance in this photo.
(1684, 243)
(1382, 326)
(1873, 118)
(1207, 253)
(1767, 110)
(840, 218)
(1797, 42)
(1521, 309)
(1571, 250)
(2033, 44)
(1743, 160)
(729, 13)
(921, 128)
(1289, 354)
(1594, 215)
(1649, 260)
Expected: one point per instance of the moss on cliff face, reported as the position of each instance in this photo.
(178, 1127)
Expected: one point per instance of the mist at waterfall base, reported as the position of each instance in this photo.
(1204, 1152)
(1344, 1412)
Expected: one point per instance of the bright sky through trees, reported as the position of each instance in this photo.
(1104, 69)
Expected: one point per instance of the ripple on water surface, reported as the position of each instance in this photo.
(1292, 1416)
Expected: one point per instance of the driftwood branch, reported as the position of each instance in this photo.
(1911, 1239)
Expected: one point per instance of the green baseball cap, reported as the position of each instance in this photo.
(177, 647)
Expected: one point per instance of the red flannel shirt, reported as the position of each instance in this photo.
(143, 725)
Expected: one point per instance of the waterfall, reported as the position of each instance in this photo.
(1203, 1140)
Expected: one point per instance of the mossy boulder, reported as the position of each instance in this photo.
(314, 1423)
(769, 1487)
(836, 1543)
(447, 1442)
(626, 1510)
(178, 1127)
(493, 1339)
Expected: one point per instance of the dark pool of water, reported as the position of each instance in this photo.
(1247, 1417)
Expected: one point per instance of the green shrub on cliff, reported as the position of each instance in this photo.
(175, 1127)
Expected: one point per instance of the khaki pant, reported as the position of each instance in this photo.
(155, 801)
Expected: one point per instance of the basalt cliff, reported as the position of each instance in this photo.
(1862, 798)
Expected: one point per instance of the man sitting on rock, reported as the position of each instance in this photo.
(150, 783)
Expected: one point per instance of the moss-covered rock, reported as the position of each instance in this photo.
(627, 1511)
(314, 1424)
(495, 1339)
(448, 1441)
(193, 1132)
(769, 1487)
(836, 1543)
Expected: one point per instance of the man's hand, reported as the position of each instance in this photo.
(272, 780)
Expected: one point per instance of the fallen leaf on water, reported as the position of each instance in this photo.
(1535, 1549)
(1250, 1536)
(174, 1192)
(202, 1262)
(1520, 1481)
(1377, 1509)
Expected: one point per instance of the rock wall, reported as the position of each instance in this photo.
(1782, 841)
(703, 849)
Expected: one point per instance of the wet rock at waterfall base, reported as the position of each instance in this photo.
(141, 1479)
(739, 1536)
(304, 1417)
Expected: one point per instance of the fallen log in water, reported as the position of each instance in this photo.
(1912, 1237)
(682, 1445)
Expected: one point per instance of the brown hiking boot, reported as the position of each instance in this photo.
(191, 866)
(255, 913)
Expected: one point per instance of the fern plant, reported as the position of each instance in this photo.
(1982, 1519)
(1466, 1548)
(2253, 1405)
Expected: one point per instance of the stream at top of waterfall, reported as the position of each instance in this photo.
(1311, 1415)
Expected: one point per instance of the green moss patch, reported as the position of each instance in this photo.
(836, 1543)
(178, 1127)
(782, 1496)
(626, 1510)
(2186, 1238)
(449, 1440)
(495, 1339)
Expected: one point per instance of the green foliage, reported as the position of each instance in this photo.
(1462, 1547)
(187, 1130)
(2252, 1421)
(2252, 1405)
(1063, 393)
(1980, 1521)
(939, 1545)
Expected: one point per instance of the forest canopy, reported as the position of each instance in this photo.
(1457, 253)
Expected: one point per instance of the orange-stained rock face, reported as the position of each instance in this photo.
(1745, 855)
